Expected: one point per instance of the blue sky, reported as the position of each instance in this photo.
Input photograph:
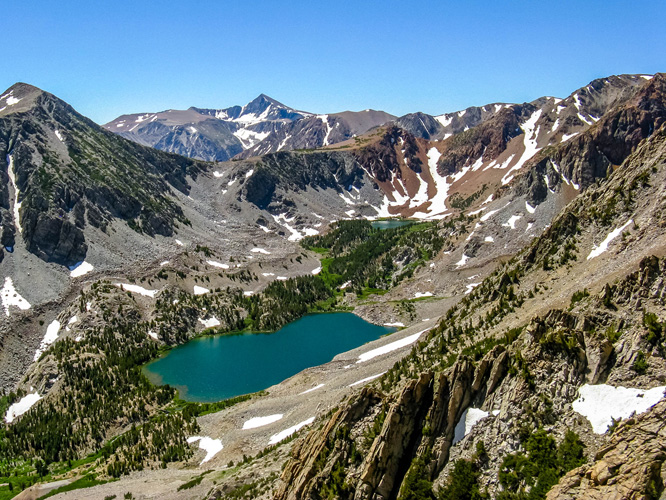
(110, 58)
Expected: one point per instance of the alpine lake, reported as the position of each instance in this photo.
(215, 367)
(390, 223)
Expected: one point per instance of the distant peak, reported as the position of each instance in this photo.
(20, 89)
(263, 98)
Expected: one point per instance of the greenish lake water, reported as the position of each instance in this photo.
(213, 368)
(390, 224)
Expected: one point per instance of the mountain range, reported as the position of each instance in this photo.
(262, 126)
(530, 282)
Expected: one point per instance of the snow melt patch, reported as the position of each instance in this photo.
(468, 420)
(260, 250)
(437, 202)
(21, 406)
(50, 337)
(10, 297)
(366, 379)
(255, 422)
(530, 142)
(601, 403)
(217, 264)
(313, 389)
(398, 344)
(81, 269)
(137, 289)
(603, 246)
(276, 438)
(17, 203)
(211, 446)
(210, 322)
(512, 221)
(463, 260)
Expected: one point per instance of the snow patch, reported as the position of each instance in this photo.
(17, 203)
(468, 420)
(398, 344)
(530, 142)
(276, 438)
(397, 323)
(211, 446)
(255, 422)
(367, 379)
(313, 389)
(418, 295)
(601, 403)
(603, 246)
(199, 290)
(489, 239)
(260, 250)
(316, 270)
(50, 337)
(21, 406)
(80, 269)
(530, 209)
(10, 297)
(512, 221)
(137, 289)
(217, 264)
(463, 260)
(210, 322)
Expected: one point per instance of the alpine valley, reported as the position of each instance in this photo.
(528, 289)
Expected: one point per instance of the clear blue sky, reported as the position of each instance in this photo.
(110, 58)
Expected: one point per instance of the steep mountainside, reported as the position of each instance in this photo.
(64, 173)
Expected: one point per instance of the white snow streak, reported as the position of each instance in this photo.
(255, 422)
(276, 438)
(137, 289)
(603, 246)
(367, 379)
(398, 344)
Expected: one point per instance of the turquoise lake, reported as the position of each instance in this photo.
(213, 368)
(390, 224)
